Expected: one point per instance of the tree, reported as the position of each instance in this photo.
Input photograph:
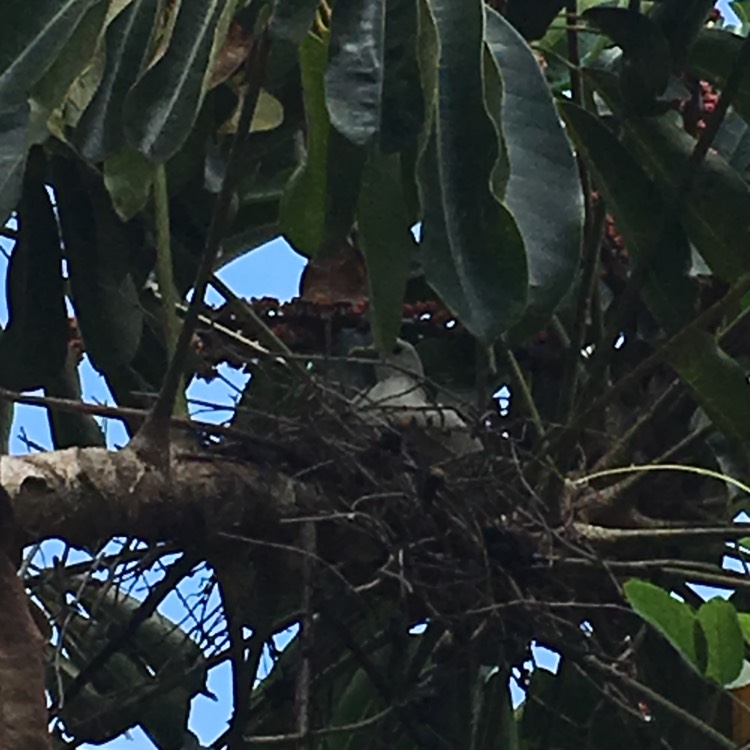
(582, 205)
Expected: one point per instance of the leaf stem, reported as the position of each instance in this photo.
(165, 277)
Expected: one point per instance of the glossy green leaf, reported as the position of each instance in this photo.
(717, 193)
(161, 107)
(74, 57)
(718, 381)
(387, 243)
(656, 242)
(543, 191)
(99, 131)
(128, 177)
(37, 320)
(681, 21)
(713, 56)
(317, 210)
(13, 124)
(495, 726)
(292, 19)
(733, 142)
(673, 619)
(402, 112)
(472, 251)
(39, 32)
(646, 57)
(70, 428)
(724, 643)
(354, 78)
(743, 617)
(303, 207)
(532, 17)
(659, 244)
(99, 251)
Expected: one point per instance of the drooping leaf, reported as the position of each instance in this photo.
(472, 251)
(532, 17)
(71, 428)
(73, 58)
(354, 77)
(302, 211)
(161, 107)
(656, 242)
(291, 19)
(387, 243)
(37, 321)
(713, 57)
(543, 191)
(128, 177)
(717, 380)
(99, 256)
(13, 124)
(403, 104)
(38, 35)
(659, 244)
(99, 131)
(733, 142)
(681, 21)
(673, 619)
(725, 647)
(716, 195)
(317, 210)
(495, 727)
(646, 59)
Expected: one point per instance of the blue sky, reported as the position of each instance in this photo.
(272, 270)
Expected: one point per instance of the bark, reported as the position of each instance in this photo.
(23, 713)
(85, 495)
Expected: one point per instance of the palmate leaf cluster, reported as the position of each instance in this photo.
(579, 187)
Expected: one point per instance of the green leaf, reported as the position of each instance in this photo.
(681, 21)
(161, 107)
(532, 17)
(74, 57)
(34, 343)
(317, 209)
(658, 244)
(403, 103)
(543, 172)
(39, 32)
(713, 56)
(495, 726)
(733, 142)
(99, 251)
(646, 56)
(70, 428)
(292, 19)
(655, 241)
(354, 78)
(717, 193)
(743, 617)
(99, 131)
(472, 251)
(724, 643)
(13, 124)
(675, 620)
(128, 177)
(387, 243)
(303, 208)
(718, 381)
